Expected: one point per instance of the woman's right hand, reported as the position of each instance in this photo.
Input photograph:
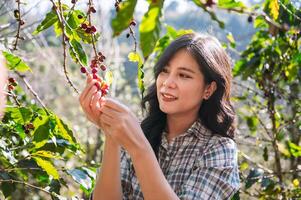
(89, 96)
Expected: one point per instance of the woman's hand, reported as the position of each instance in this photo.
(122, 125)
(90, 99)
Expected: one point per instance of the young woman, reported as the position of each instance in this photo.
(3, 79)
(184, 148)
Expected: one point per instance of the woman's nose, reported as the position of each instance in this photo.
(169, 82)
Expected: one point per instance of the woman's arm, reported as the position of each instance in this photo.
(108, 185)
(151, 178)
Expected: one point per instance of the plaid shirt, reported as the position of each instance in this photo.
(197, 164)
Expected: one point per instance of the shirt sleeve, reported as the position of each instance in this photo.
(125, 175)
(215, 174)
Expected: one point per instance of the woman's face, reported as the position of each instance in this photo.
(181, 86)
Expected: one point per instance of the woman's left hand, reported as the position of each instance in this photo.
(122, 125)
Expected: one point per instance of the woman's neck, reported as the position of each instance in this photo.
(177, 125)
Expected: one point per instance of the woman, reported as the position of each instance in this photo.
(184, 148)
(2, 84)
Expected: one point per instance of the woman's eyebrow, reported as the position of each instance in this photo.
(186, 69)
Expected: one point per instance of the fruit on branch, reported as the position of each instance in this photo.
(92, 9)
(117, 7)
(17, 14)
(133, 23)
(73, 1)
(84, 26)
(209, 3)
(127, 35)
(83, 70)
(79, 16)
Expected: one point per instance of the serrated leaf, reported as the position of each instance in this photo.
(150, 28)
(49, 20)
(294, 149)
(15, 63)
(47, 167)
(274, 8)
(20, 115)
(254, 175)
(123, 17)
(81, 177)
(80, 52)
(42, 131)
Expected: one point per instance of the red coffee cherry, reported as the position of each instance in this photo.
(92, 9)
(93, 29)
(84, 26)
(83, 70)
(133, 23)
(103, 67)
(94, 70)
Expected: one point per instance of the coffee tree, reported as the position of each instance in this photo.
(36, 144)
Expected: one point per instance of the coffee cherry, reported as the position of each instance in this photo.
(117, 8)
(133, 23)
(22, 22)
(88, 30)
(10, 87)
(99, 53)
(83, 70)
(26, 131)
(127, 35)
(30, 126)
(84, 26)
(103, 67)
(93, 29)
(103, 57)
(73, 1)
(92, 9)
(79, 16)
(95, 76)
(94, 70)
(11, 80)
(209, 3)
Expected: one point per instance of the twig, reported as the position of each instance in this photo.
(19, 26)
(134, 37)
(32, 91)
(59, 13)
(26, 184)
(90, 23)
(255, 163)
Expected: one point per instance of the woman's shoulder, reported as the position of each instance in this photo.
(220, 151)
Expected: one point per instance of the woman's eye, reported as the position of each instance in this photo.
(184, 76)
(164, 70)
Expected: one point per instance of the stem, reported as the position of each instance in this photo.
(19, 26)
(89, 19)
(60, 15)
(26, 184)
(32, 91)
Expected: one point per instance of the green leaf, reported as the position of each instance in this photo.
(20, 115)
(64, 130)
(45, 154)
(135, 57)
(243, 166)
(124, 16)
(274, 9)
(47, 167)
(252, 123)
(231, 40)
(230, 4)
(15, 62)
(254, 175)
(81, 177)
(42, 131)
(49, 20)
(80, 52)
(150, 28)
(294, 149)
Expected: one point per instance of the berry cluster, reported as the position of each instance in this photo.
(88, 29)
(28, 127)
(96, 63)
(17, 16)
(12, 83)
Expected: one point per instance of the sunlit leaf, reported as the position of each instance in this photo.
(150, 28)
(81, 177)
(124, 16)
(47, 22)
(15, 62)
(47, 166)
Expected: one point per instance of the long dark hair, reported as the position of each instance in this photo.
(216, 113)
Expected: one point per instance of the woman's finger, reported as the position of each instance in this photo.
(109, 111)
(87, 89)
(114, 105)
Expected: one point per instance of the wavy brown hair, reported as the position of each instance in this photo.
(216, 113)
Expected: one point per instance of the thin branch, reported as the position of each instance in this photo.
(32, 91)
(59, 13)
(134, 37)
(26, 184)
(19, 25)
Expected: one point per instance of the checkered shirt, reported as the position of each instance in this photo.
(197, 165)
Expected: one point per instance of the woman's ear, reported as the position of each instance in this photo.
(210, 90)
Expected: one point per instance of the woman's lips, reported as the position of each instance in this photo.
(168, 97)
